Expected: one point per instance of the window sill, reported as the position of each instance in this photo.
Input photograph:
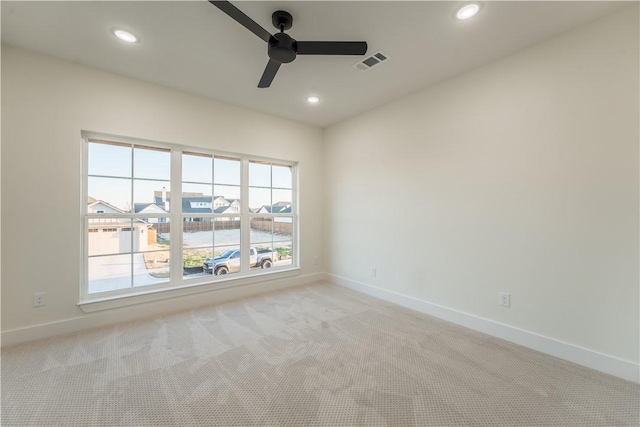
(115, 301)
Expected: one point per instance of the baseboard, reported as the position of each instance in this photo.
(572, 353)
(140, 311)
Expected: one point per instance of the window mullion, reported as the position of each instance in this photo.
(175, 222)
(132, 210)
(295, 214)
(84, 288)
(245, 220)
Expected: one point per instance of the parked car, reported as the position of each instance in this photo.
(229, 261)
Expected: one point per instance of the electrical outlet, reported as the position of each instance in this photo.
(373, 271)
(38, 299)
(504, 299)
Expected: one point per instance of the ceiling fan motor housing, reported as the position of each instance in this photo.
(282, 48)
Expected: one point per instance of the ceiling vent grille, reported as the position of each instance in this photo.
(371, 61)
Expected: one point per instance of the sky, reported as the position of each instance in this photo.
(113, 168)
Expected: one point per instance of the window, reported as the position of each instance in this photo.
(237, 216)
(270, 204)
(211, 229)
(121, 179)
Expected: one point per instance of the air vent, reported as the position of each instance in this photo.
(371, 61)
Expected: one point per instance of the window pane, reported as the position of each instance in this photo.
(193, 260)
(282, 201)
(151, 163)
(196, 199)
(151, 196)
(150, 268)
(149, 265)
(227, 231)
(109, 236)
(154, 235)
(109, 273)
(281, 176)
(197, 243)
(260, 200)
(284, 252)
(263, 257)
(108, 159)
(226, 171)
(227, 261)
(197, 168)
(282, 228)
(259, 174)
(261, 231)
(261, 238)
(197, 232)
(159, 236)
(109, 195)
(227, 197)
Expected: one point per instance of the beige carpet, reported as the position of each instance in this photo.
(318, 355)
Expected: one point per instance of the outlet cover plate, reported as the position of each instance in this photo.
(504, 299)
(38, 299)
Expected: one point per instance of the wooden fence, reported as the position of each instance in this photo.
(194, 226)
(264, 224)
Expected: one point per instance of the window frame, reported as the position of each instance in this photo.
(175, 218)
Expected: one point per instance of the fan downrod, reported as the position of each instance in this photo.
(282, 20)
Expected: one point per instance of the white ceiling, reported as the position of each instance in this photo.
(194, 47)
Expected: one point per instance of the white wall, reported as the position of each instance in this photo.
(520, 176)
(45, 104)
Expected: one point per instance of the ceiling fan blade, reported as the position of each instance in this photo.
(243, 19)
(331, 48)
(269, 73)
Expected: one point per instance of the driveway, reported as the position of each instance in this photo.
(110, 273)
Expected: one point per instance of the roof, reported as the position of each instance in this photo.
(276, 209)
(141, 207)
(186, 205)
(138, 207)
(226, 209)
(102, 202)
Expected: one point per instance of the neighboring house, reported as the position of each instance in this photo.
(150, 208)
(99, 206)
(114, 235)
(234, 203)
(277, 208)
(280, 207)
(197, 203)
(219, 201)
(225, 210)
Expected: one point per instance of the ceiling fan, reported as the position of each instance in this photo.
(282, 48)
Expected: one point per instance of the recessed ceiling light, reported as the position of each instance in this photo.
(468, 11)
(313, 99)
(125, 36)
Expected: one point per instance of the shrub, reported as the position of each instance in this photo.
(283, 252)
(196, 260)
